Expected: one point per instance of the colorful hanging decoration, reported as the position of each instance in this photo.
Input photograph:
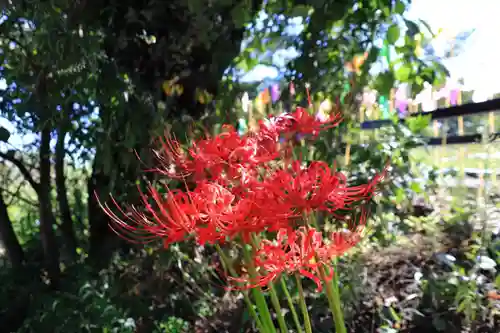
(354, 66)
(275, 92)
(386, 53)
(172, 88)
(402, 107)
(401, 102)
(291, 88)
(265, 97)
(345, 93)
(368, 100)
(203, 96)
(419, 51)
(383, 103)
(427, 98)
(309, 100)
(245, 102)
(242, 126)
(454, 93)
(324, 110)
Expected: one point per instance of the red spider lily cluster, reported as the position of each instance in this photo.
(242, 187)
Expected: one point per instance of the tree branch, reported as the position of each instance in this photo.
(16, 195)
(22, 168)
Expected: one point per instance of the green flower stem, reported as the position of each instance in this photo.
(260, 300)
(272, 291)
(333, 295)
(303, 305)
(277, 307)
(290, 305)
(332, 291)
(250, 306)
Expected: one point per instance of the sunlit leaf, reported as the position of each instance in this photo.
(403, 73)
(393, 34)
(400, 7)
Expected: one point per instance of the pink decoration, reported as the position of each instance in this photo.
(402, 106)
(275, 92)
(454, 96)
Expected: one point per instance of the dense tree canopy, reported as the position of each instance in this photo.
(88, 79)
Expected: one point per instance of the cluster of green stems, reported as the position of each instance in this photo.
(260, 311)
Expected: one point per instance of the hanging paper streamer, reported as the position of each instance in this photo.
(309, 100)
(419, 51)
(245, 102)
(292, 89)
(358, 60)
(265, 97)
(368, 100)
(383, 103)
(324, 109)
(386, 53)
(401, 102)
(242, 126)
(275, 92)
(427, 98)
(454, 93)
(402, 107)
(345, 92)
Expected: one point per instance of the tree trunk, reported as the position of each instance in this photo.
(49, 241)
(14, 251)
(102, 241)
(62, 196)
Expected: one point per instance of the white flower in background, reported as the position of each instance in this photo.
(245, 102)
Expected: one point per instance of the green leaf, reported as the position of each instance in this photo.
(415, 187)
(393, 34)
(4, 134)
(403, 73)
(413, 28)
(418, 124)
(400, 7)
(400, 195)
(384, 83)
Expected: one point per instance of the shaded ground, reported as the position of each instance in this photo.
(391, 294)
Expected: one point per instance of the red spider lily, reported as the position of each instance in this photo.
(316, 187)
(306, 123)
(343, 196)
(298, 122)
(219, 209)
(223, 156)
(172, 158)
(300, 251)
(237, 192)
(173, 220)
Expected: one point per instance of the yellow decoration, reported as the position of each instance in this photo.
(203, 96)
(265, 96)
(356, 63)
(171, 88)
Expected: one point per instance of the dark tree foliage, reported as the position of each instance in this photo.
(154, 41)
